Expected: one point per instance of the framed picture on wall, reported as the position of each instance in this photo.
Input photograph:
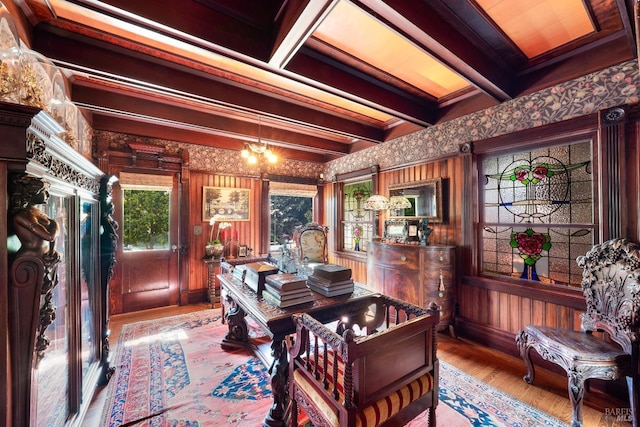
(230, 204)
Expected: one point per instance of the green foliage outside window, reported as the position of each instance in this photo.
(288, 212)
(146, 219)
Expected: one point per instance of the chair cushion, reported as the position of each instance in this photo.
(313, 244)
(373, 414)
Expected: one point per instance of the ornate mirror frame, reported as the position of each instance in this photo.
(429, 189)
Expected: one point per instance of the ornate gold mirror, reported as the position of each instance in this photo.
(425, 198)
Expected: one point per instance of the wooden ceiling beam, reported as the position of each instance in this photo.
(349, 82)
(202, 21)
(73, 50)
(101, 99)
(117, 124)
(299, 19)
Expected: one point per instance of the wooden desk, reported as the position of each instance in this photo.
(277, 323)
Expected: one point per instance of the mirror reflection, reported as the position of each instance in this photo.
(425, 198)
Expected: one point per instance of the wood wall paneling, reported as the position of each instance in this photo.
(248, 231)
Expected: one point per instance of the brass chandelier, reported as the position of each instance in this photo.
(252, 151)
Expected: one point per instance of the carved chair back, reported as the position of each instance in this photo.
(610, 284)
(311, 241)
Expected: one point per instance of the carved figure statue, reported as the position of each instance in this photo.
(32, 226)
(34, 272)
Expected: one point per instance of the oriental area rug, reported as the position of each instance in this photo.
(172, 372)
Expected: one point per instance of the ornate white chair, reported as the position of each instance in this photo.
(311, 242)
(612, 293)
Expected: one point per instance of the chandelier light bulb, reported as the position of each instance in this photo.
(254, 151)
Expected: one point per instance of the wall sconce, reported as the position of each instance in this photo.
(253, 151)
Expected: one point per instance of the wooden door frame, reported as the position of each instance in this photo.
(150, 159)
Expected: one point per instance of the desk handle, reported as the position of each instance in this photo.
(403, 258)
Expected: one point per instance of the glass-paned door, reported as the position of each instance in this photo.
(290, 206)
(148, 257)
(89, 283)
(53, 374)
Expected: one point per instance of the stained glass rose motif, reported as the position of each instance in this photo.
(358, 194)
(531, 174)
(530, 244)
(357, 232)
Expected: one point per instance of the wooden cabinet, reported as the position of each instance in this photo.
(53, 317)
(416, 274)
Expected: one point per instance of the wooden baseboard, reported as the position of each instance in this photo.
(194, 297)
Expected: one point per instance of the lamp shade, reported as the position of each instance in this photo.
(377, 202)
(399, 202)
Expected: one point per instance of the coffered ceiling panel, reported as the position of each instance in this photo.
(324, 78)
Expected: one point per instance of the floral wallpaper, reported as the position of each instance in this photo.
(212, 159)
(607, 88)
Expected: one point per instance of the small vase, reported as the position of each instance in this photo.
(215, 250)
(356, 247)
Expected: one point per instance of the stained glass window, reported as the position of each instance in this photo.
(538, 213)
(358, 223)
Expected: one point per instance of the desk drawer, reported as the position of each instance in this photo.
(434, 256)
(404, 256)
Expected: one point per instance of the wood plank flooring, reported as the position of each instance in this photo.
(497, 369)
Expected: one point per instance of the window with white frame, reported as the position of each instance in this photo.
(290, 206)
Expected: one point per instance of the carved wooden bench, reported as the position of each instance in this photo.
(386, 375)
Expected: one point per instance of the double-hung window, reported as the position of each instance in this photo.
(357, 223)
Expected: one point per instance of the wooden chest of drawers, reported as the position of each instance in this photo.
(416, 274)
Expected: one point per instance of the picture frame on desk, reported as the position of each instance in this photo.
(401, 229)
(242, 251)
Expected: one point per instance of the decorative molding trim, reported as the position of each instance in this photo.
(611, 87)
(614, 115)
(466, 148)
(37, 151)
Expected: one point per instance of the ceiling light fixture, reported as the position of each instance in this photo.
(253, 151)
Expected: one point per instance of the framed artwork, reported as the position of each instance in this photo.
(230, 204)
(242, 251)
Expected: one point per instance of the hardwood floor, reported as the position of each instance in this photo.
(505, 372)
(497, 369)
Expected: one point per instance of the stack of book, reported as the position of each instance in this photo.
(331, 280)
(286, 290)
